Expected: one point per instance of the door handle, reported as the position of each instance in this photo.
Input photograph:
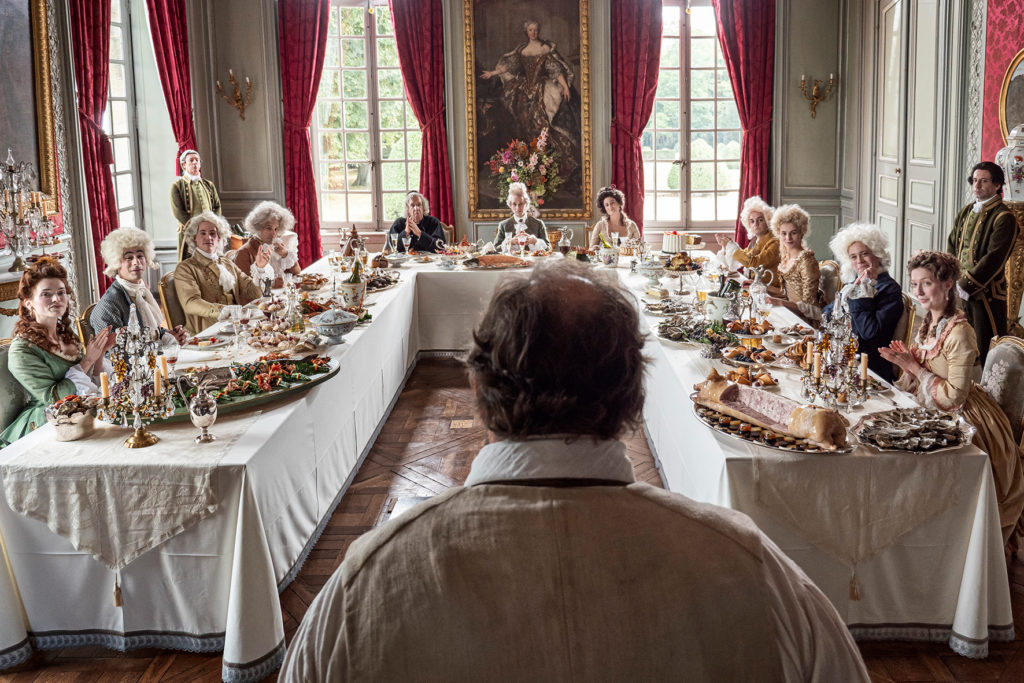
(899, 171)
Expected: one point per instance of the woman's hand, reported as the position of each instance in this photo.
(263, 256)
(898, 354)
(96, 348)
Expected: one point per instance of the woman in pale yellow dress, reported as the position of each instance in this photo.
(937, 368)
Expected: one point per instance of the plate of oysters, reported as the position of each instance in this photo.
(913, 430)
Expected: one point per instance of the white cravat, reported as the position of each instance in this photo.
(189, 176)
(982, 202)
(144, 303)
(227, 278)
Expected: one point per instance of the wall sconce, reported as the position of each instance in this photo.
(816, 95)
(236, 101)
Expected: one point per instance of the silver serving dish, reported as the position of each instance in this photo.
(395, 260)
(334, 324)
(913, 430)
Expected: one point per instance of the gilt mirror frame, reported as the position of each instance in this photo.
(1015, 101)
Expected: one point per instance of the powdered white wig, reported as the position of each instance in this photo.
(794, 215)
(118, 241)
(755, 204)
(872, 238)
(518, 189)
(266, 211)
(207, 217)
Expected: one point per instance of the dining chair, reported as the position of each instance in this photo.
(13, 397)
(174, 315)
(1002, 378)
(83, 326)
(828, 280)
(1014, 272)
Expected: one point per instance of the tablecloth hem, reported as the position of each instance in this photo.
(16, 654)
(168, 640)
(255, 670)
(974, 648)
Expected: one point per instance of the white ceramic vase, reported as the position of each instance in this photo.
(1011, 160)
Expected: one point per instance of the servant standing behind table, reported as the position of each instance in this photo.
(611, 202)
(209, 285)
(270, 226)
(128, 252)
(873, 298)
(938, 369)
(506, 238)
(46, 356)
(798, 271)
(416, 223)
(763, 249)
(982, 238)
(191, 195)
(552, 562)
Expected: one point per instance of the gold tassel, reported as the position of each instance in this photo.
(854, 588)
(118, 598)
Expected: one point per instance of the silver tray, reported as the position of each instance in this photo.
(964, 429)
(809, 449)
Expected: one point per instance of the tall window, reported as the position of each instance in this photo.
(367, 141)
(118, 120)
(691, 145)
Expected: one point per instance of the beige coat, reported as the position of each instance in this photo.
(197, 282)
(593, 578)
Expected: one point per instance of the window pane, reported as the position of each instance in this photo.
(387, 52)
(333, 176)
(702, 52)
(332, 58)
(728, 206)
(702, 21)
(391, 114)
(357, 146)
(702, 84)
(359, 176)
(650, 177)
(392, 145)
(351, 21)
(668, 176)
(392, 205)
(668, 83)
(392, 175)
(125, 192)
(666, 113)
(383, 15)
(115, 12)
(647, 142)
(389, 83)
(670, 21)
(117, 87)
(414, 144)
(669, 207)
(329, 84)
(354, 84)
(729, 145)
(330, 115)
(728, 117)
(719, 57)
(702, 115)
(728, 175)
(702, 207)
(116, 47)
(360, 207)
(127, 218)
(331, 146)
(649, 202)
(724, 84)
(701, 146)
(668, 146)
(702, 176)
(119, 117)
(122, 155)
(669, 52)
(333, 207)
(410, 115)
(356, 115)
(414, 175)
(353, 52)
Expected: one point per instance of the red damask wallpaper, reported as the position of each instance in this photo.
(1004, 38)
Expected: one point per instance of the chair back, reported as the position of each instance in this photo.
(828, 280)
(1003, 377)
(449, 234)
(905, 327)
(174, 314)
(1014, 272)
(586, 238)
(13, 397)
(84, 327)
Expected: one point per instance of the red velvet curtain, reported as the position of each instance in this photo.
(302, 39)
(419, 33)
(746, 32)
(90, 41)
(169, 31)
(636, 56)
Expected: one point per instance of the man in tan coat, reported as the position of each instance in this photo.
(552, 563)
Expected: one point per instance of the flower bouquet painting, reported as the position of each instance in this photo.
(534, 164)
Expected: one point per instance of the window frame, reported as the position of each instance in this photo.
(685, 159)
(131, 134)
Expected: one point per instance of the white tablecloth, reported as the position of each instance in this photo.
(215, 586)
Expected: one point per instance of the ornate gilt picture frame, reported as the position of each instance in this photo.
(517, 84)
(1011, 96)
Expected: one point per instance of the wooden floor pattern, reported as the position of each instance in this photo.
(425, 447)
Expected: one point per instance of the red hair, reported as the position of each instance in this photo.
(27, 328)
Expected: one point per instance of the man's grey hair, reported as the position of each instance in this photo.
(207, 217)
(263, 213)
(423, 201)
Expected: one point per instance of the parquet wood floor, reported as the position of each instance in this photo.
(425, 447)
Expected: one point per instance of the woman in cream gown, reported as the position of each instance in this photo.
(937, 368)
(798, 285)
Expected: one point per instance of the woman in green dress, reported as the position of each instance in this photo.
(46, 356)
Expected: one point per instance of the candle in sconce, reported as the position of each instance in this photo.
(817, 365)
(864, 368)
(218, 85)
(231, 73)
(157, 384)
(163, 366)
(104, 385)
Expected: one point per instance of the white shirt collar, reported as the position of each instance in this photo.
(193, 178)
(980, 203)
(212, 257)
(551, 458)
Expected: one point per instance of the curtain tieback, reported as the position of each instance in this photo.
(106, 150)
(625, 131)
(295, 126)
(764, 124)
(438, 116)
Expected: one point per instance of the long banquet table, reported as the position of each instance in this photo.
(215, 585)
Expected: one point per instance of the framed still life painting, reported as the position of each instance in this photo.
(528, 105)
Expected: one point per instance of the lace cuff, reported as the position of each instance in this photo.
(258, 274)
(864, 290)
(809, 311)
(928, 392)
(83, 383)
(729, 257)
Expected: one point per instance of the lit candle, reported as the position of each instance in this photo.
(104, 385)
(231, 73)
(864, 368)
(156, 383)
(218, 85)
(163, 366)
(817, 365)
(809, 347)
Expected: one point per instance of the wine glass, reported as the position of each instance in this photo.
(171, 348)
(615, 239)
(236, 320)
(522, 243)
(406, 242)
